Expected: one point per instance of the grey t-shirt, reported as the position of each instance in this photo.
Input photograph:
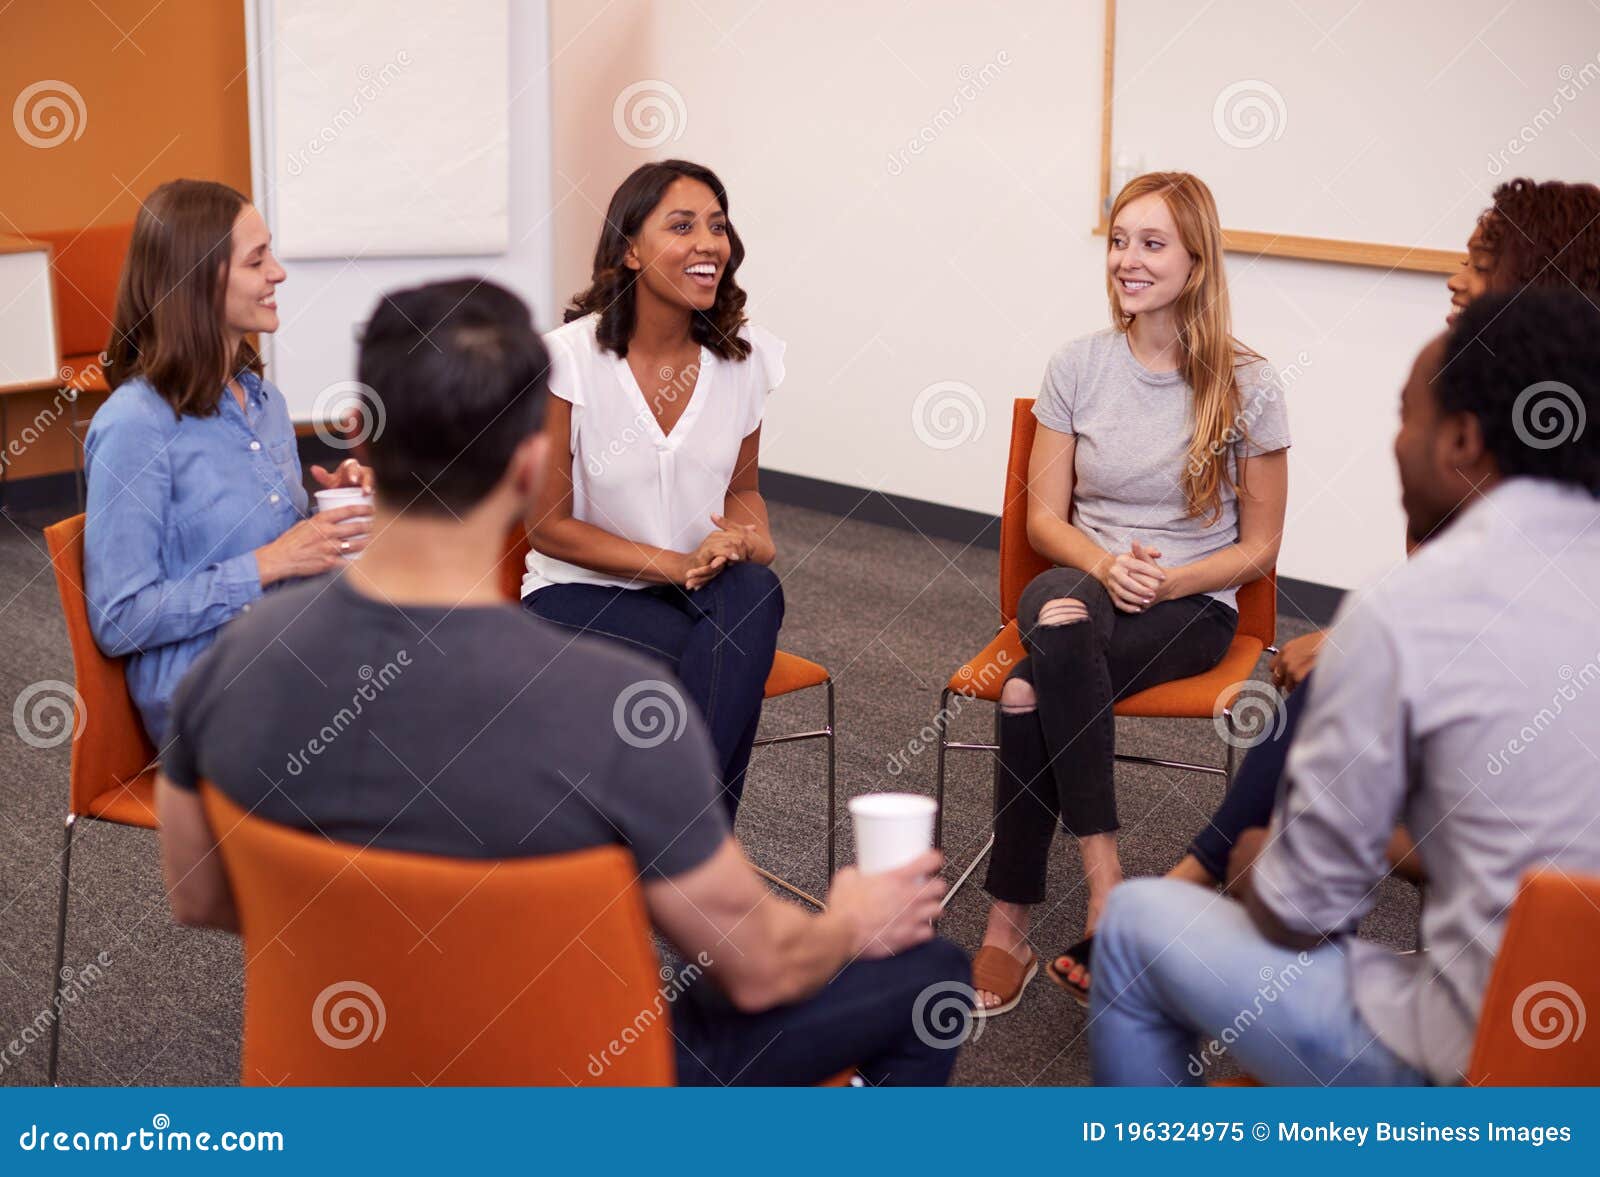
(477, 732)
(1133, 429)
(1461, 697)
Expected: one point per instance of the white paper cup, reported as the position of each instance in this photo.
(891, 829)
(344, 496)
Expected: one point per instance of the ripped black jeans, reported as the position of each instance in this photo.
(1056, 760)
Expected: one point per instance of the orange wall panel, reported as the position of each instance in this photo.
(102, 100)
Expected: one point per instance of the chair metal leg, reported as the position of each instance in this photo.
(941, 725)
(786, 885)
(832, 809)
(967, 874)
(61, 951)
(1233, 732)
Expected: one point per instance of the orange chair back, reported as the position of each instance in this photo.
(515, 562)
(86, 265)
(1019, 563)
(1533, 1030)
(110, 749)
(373, 967)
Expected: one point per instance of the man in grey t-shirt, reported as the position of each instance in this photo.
(1421, 715)
(404, 704)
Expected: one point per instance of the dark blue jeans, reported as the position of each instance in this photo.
(897, 1021)
(1249, 799)
(718, 640)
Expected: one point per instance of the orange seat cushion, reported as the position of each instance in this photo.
(134, 804)
(1201, 697)
(792, 673)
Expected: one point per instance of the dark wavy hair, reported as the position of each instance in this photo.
(167, 326)
(1544, 235)
(611, 287)
(1527, 365)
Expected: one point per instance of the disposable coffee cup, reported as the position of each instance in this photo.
(344, 496)
(891, 829)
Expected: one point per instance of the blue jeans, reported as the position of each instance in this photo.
(1180, 972)
(718, 640)
(897, 1021)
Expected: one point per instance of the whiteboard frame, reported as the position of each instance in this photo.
(10, 244)
(1259, 244)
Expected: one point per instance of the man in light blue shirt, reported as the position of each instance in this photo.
(1460, 696)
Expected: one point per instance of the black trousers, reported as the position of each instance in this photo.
(1254, 791)
(1056, 761)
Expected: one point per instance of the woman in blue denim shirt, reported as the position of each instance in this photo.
(196, 504)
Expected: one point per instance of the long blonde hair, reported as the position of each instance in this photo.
(1207, 349)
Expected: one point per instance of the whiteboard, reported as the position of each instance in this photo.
(1389, 123)
(28, 348)
(389, 125)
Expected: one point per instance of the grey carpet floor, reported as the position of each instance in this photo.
(890, 612)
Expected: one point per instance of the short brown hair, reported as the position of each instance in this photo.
(168, 323)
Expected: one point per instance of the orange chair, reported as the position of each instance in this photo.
(790, 673)
(113, 761)
(374, 967)
(1203, 696)
(1546, 981)
(86, 265)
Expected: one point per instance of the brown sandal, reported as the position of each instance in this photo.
(995, 970)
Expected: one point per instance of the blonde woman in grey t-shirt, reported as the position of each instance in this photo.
(1156, 486)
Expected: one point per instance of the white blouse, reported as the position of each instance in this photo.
(627, 476)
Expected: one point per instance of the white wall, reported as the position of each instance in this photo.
(324, 300)
(970, 261)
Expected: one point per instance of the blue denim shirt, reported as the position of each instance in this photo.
(176, 510)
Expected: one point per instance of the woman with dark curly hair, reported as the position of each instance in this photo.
(1534, 234)
(650, 528)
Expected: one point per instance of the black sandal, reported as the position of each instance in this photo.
(1080, 954)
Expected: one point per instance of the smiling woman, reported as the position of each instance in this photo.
(650, 528)
(196, 504)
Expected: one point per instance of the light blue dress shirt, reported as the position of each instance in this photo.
(177, 507)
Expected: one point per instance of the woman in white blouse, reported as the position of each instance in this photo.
(650, 528)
